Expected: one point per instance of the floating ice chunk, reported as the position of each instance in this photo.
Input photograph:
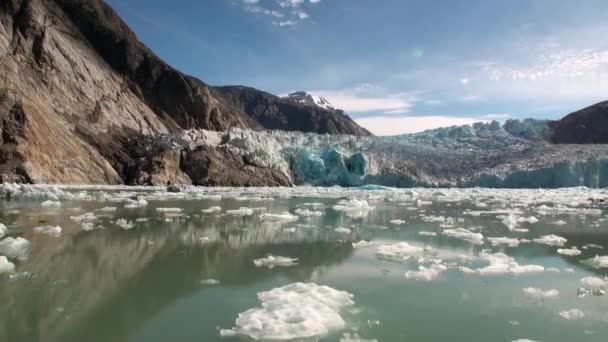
(355, 338)
(86, 217)
(551, 240)
(272, 261)
(592, 245)
(569, 251)
(539, 294)
(108, 209)
(124, 224)
(400, 251)
(241, 212)
(560, 223)
(308, 212)
(211, 210)
(15, 248)
(353, 208)
(87, 226)
(6, 266)
(499, 264)
(51, 204)
(594, 283)
(509, 242)
(139, 203)
(3, 230)
(362, 244)
(54, 231)
(170, 210)
(510, 221)
(572, 314)
(421, 203)
(425, 233)
(282, 218)
(228, 333)
(426, 273)
(597, 261)
(530, 220)
(210, 282)
(397, 222)
(343, 230)
(296, 311)
(464, 234)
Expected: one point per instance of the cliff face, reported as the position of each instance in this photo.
(76, 86)
(586, 126)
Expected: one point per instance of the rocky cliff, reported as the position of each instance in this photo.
(77, 87)
(586, 126)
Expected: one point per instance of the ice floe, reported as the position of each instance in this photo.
(400, 251)
(209, 282)
(569, 251)
(427, 233)
(170, 210)
(500, 264)
(426, 273)
(551, 240)
(355, 338)
(464, 234)
(295, 311)
(212, 210)
(343, 230)
(272, 261)
(353, 208)
(397, 222)
(15, 248)
(506, 241)
(54, 231)
(539, 294)
(51, 204)
(362, 244)
(307, 212)
(125, 224)
(572, 314)
(6, 266)
(284, 217)
(134, 204)
(241, 212)
(597, 261)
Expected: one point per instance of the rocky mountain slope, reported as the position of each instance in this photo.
(76, 84)
(586, 126)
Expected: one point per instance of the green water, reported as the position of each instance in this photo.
(144, 284)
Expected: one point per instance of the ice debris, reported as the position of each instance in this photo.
(343, 230)
(569, 251)
(15, 248)
(539, 294)
(284, 217)
(509, 242)
(6, 266)
(572, 314)
(353, 208)
(426, 233)
(597, 261)
(3, 230)
(307, 212)
(400, 251)
(54, 231)
(241, 212)
(211, 210)
(272, 261)
(426, 273)
(464, 234)
(500, 264)
(210, 282)
(362, 244)
(551, 240)
(296, 311)
(355, 338)
(124, 224)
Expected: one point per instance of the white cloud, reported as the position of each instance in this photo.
(390, 125)
(365, 98)
(293, 11)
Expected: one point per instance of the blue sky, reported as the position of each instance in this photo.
(394, 65)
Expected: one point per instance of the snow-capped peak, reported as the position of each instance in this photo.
(305, 98)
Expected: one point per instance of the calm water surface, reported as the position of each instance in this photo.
(148, 284)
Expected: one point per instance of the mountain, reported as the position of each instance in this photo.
(77, 88)
(306, 99)
(586, 126)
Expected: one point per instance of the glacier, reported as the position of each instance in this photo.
(514, 155)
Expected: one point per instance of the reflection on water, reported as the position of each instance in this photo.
(144, 284)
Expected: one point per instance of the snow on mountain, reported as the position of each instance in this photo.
(307, 99)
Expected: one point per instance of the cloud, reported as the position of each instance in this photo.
(367, 98)
(293, 11)
(390, 125)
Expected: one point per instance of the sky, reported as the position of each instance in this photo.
(395, 66)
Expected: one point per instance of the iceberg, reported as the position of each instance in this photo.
(597, 261)
(501, 264)
(294, 312)
(551, 240)
(464, 234)
(400, 251)
(272, 261)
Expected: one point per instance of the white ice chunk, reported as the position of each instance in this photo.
(51, 204)
(425, 233)
(551, 240)
(6, 266)
(241, 212)
(307, 212)
(464, 234)
(343, 230)
(539, 294)
(211, 210)
(284, 217)
(510, 221)
(530, 219)
(426, 273)
(595, 283)
(139, 203)
(362, 244)
(210, 282)
(54, 231)
(597, 261)
(3, 230)
(272, 261)
(569, 251)
(572, 314)
(400, 251)
(124, 224)
(15, 248)
(509, 242)
(170, 210)
(355, 338)
(397, 222)
(500, 264)
(108, 209)
(296, 311)
(353, 208)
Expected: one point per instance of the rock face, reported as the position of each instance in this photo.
(76, 85)
(586, 126)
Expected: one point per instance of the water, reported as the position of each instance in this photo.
(149, 283)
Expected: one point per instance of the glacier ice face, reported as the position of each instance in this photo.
(295, 311)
